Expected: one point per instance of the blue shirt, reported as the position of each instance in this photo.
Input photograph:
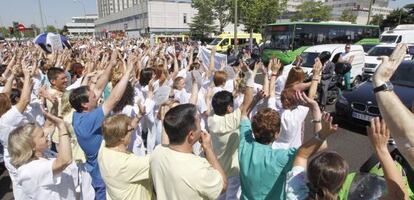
(262, 169)
(87, 126)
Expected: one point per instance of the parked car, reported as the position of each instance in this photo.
(311, 53)
(371, 58)
(358, 106)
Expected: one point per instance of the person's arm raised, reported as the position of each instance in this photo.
(316, 78)
(399, 118)
(103, 79)
(211, 157)
(311, 146)
(26, 91)
(9, 84)
(379, 135)
(275, 67)
(194, 90)
(64, 157)
(303, 100)
(211, 70)
(248, 94)
(119, 89)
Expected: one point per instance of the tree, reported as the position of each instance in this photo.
(399, 16)
(222, 13)
(313, 11)
(51, 28)
(5, 31)
(203, 21)
(377, 19)
(254, 14)
(348, 16)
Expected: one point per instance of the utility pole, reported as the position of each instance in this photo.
(41, 16)
(369, 10)
(235, 27)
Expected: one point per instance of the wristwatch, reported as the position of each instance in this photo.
(387, 86)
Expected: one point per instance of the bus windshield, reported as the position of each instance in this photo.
(278, 37)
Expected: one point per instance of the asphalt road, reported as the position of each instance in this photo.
(354, 147)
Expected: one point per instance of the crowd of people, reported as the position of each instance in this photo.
(123, 119)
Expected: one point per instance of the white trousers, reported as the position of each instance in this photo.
(233, 189)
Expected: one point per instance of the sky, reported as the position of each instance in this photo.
(55, 12)
(59, 12)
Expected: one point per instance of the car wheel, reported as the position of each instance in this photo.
(333, 95)
(357, 81)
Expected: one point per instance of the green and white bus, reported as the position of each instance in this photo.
(287, 40)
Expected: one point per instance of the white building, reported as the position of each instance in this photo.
(291, 9)
(359, 8)
(81, 26)
(136, 17)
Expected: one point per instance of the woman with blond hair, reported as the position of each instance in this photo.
(126, 176)
(40, 176)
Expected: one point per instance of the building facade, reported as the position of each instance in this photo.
(137, 17)
(82, 26)
(359, 8)
(291, 9)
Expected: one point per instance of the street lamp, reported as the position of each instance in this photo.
(369, 10)
(235, 27)
(41, 16)
(84, 12)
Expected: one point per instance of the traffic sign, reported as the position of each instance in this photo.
(21, 27)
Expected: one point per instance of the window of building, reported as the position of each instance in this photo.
(185, 19)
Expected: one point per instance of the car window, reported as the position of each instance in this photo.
(381, 51)
(308, 58)
(388, 39)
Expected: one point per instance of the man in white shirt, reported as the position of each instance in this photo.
(176, 172)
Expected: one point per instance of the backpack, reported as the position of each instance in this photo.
(342, 68)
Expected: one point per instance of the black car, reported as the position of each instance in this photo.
(354, 109)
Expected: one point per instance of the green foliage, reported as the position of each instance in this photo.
(399, 16)
(254, 14)
(377, 19)
(222, 13)
(313, 12)
(348, 16)
(5, 31)
(50, 28)
(203, 21)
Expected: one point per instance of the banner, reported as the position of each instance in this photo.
(204, 55)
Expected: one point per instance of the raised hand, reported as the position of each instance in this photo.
(58, 122)
(317, 67)
(302, 99)
(205, 141)
(327, 127)
(378, 134)
(276, 65)
(389, 64)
